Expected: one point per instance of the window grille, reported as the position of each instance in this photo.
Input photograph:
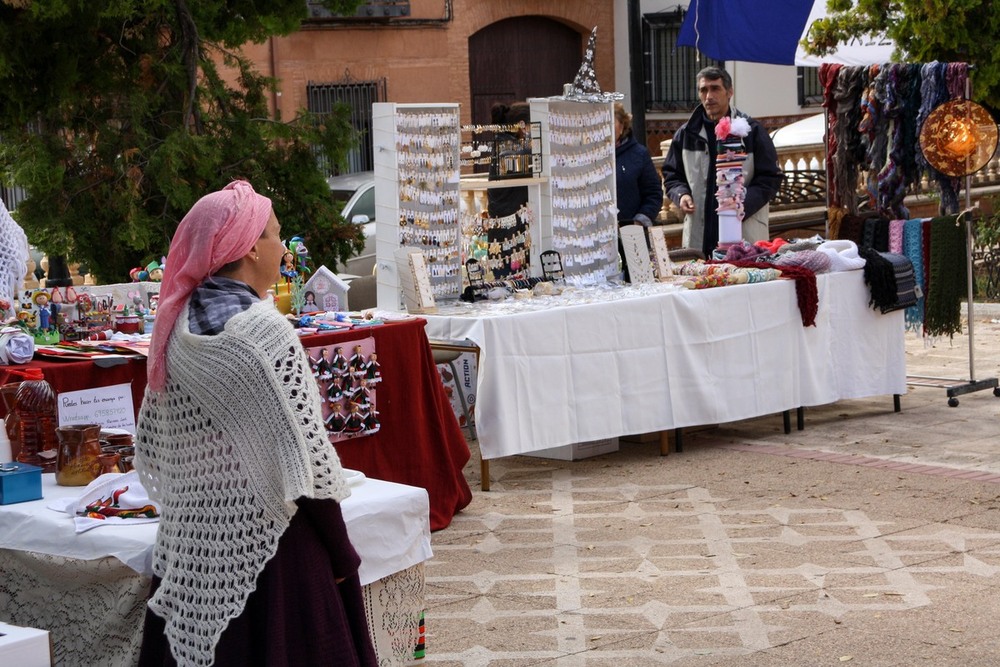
(670, 69)
(810, 89)
(359, 97)
(373, 9)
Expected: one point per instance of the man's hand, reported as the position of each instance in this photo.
(687, 204)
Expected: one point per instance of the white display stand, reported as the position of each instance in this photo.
(416, 153)
(580, 197)
(417, 192)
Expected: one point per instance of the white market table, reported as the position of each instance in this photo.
(90, 589)
(655, 357)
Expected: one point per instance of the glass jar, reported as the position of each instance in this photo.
(9, 394)
(36, 413)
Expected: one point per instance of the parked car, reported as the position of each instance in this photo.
(357, 194)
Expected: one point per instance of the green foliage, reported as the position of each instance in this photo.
(923, 31)
(988, 226)
(117, 115)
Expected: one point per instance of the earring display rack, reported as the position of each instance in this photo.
(578, 151)
(572, 204)
(417, 163)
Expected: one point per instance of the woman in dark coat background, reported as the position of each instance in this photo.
(640, 190)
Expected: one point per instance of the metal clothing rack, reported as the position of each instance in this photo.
(955, 387)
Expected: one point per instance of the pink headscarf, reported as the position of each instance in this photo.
(220, 228)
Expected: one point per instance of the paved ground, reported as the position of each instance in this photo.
(869, 538)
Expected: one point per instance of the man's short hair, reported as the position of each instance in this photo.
(714, 74)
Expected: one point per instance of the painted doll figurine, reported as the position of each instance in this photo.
(41, 299)
(361, 394)
(288, 269)
(355, 423)
(335, 422)
(357, 362)
(372, 424)
(314, 366)
(373, 371)
(339, 362)
(325, 370)
(335, 391)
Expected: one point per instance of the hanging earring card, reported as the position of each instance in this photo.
(661, 257)
(637, 254)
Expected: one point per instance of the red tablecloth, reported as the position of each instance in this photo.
(419, 442)
(86, 374)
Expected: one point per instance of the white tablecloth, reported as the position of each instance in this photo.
(89, 590)
(388, 524)
(677, 358)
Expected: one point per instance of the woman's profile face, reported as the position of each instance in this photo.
(269, 252)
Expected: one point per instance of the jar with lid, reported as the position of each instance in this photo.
(36, 414)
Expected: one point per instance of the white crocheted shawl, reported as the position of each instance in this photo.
(235, 437)
(13, 255)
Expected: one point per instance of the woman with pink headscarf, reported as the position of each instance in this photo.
(252, 562)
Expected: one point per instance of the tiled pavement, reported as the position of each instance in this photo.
(869, 538)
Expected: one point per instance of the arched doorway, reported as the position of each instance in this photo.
(518, 58)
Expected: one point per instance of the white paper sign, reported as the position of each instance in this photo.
(111, 407)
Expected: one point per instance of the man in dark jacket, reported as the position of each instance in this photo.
(689, 168)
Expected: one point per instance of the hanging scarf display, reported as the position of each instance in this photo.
(731, 191)
(874, 117)
(913, 248)
(946, 277)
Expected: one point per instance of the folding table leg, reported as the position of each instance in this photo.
(484, 473)
(786, 419)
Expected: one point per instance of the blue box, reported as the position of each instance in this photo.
(19, 483)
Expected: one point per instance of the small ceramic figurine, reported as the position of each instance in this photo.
(288, 266)
(339, 361)
(154, 271)
(371, 421)
(41, 299)
(373, 371)
(335, 391)
(355, 422)
(335, 423)
(357, 362)
(325, 370)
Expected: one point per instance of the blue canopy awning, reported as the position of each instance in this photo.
(768, 32)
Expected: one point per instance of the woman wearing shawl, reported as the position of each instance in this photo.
(252, 563)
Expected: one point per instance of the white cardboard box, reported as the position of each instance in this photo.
(578, 450)
(24, 647)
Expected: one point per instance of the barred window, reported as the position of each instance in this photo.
(670, 69)
(810, 89)
(359, 96)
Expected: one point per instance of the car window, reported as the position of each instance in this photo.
(341, 196)
(365, 204)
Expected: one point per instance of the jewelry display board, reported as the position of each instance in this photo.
(578, 154)
(637, 253)
(661, 256)
(417, 158)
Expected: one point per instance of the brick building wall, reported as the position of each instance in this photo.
(423, 58)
